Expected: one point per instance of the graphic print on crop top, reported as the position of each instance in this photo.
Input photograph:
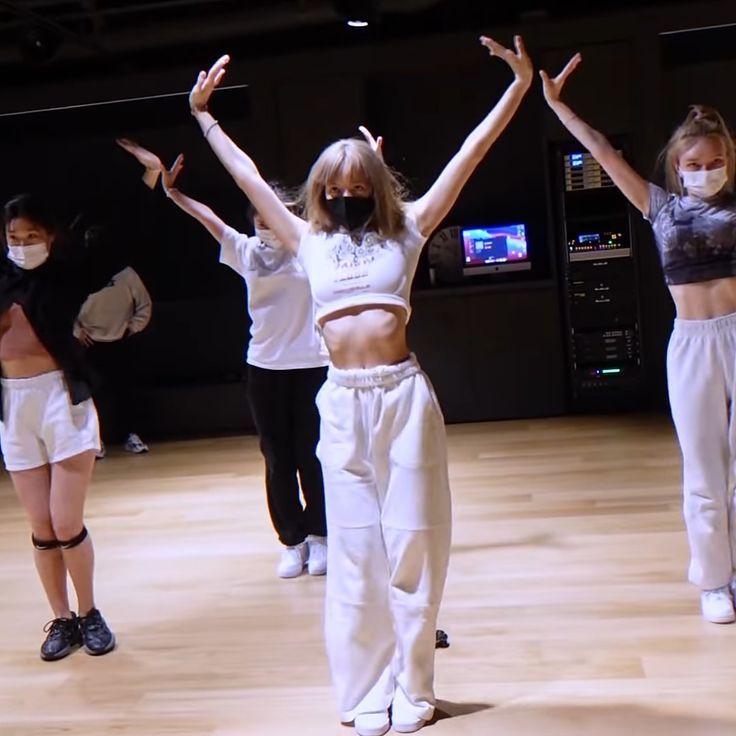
(345, 271)
(696, 238)
(351, 258)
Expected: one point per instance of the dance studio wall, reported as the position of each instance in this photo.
(494, 351)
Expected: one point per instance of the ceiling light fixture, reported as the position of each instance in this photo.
(357, 13)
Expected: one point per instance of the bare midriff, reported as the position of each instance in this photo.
(366, 336)
(22, 354)
(705, 299)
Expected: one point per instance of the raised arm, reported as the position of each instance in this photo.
(632, 186)
(430, 209)
(150, 161)
(287, 226)
(375, 143)
(200, 212)
(214, 225)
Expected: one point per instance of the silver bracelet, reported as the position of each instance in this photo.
(212, 125)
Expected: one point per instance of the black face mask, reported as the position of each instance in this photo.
(352, 213)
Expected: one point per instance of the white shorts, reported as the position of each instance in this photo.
(41, 426)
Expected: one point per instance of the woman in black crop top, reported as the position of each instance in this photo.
(382, 441)
(694, 224)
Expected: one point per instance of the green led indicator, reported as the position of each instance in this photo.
(611, 370)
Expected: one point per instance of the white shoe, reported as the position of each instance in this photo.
(317, 564)
(717, 605)
(292, 562)
(412, 727)
(135, 444)
(372, 724)
(100, 454)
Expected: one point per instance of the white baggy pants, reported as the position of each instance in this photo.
(384, 459)
(701, 370)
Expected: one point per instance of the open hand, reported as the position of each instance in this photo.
(206, 84)
(552, 88)
(376, 144)
(149, 160)
(518, 59)
(169, 176)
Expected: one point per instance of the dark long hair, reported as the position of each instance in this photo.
(38, 210)
(34, 208)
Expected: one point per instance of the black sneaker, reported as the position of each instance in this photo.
(96, 635)
(63, 637)
(441, 640)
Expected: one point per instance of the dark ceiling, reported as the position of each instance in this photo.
(61, 34)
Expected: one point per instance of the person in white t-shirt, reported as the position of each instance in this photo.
(106, 324)
(286, 362)
(382, 436)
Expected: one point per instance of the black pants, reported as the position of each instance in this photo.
(283, 406)
(116, 366)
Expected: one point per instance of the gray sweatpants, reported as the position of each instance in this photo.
(701, 369)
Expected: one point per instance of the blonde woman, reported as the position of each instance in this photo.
(382, 438)
(694, 223)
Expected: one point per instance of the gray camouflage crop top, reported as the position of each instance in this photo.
(696, 238)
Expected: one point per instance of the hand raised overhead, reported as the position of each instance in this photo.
(552, 87)
(169, 176)
(148, 159)
(206, 84)
(375, 143)
(518, 59)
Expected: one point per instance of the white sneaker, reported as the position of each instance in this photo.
(717, 605)
(100, 454)
(317, 564)
(412, 727)
(372, 724)
(135, 444)
(293, 560)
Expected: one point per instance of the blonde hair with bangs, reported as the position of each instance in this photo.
(701, 122)
(352, 158)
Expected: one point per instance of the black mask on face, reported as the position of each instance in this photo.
(352, 213)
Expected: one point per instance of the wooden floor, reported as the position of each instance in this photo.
(566, 605)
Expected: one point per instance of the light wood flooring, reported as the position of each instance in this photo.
(566, 606)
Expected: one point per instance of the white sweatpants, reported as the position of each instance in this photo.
(701, 369)
(383, 453)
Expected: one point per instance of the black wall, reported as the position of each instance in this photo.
(494, 350)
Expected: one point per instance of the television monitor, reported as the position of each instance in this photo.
(494, 249)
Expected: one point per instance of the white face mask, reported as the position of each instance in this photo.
(267, 237)
(704, 183)
(28, 256)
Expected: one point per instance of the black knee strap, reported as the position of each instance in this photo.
(44, 544)
(74, 541)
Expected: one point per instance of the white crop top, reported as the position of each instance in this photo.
(344, 273)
